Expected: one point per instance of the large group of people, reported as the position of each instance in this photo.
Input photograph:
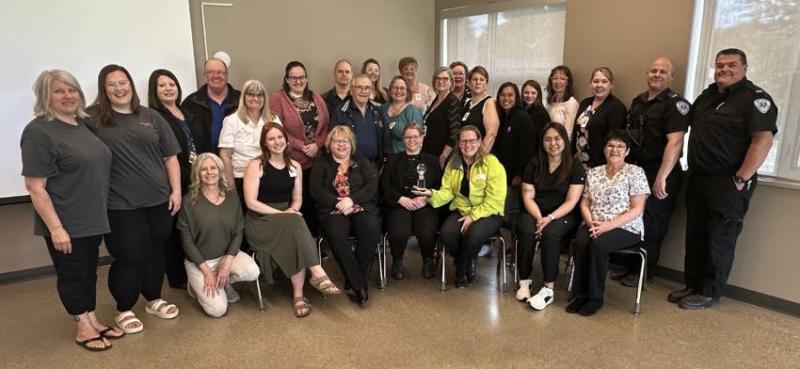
(231, 185)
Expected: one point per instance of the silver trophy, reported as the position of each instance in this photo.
(421, 171)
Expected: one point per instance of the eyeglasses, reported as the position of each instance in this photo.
(468, 142)
(611, 146)
(296, 79)
(216, 72)
(398, 88)
(363, 88)
(254, 96)
(340, 141)
(417, 137)
(441, 79)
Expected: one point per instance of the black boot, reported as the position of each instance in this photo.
(471, 275)
(428, 268)
(398, 272)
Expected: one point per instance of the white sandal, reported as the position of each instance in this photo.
(127, 317)
(160, 308)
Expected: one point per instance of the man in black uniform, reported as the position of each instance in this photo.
(657, 122)
(733, 126)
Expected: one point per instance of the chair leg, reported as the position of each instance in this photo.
(571, 267)
(319, 249)
(258, 291)
(642, 270)
(382, 263)
(442, 255)
(504, 280)
(514, 262)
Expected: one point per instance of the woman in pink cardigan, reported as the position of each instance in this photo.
(305, 119)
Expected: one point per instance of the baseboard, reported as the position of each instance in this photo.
(739, 293)
(27, 274)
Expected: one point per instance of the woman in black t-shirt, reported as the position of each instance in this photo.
(551, 188)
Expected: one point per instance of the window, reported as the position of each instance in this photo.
(513, 45)
(768, 31)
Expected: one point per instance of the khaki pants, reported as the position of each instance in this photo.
(243, 269)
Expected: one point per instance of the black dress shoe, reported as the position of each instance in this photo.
(461, 282)
(575, 305)
(428, 268)
(676, 296)
(591, 307)
(618, 276)
(398, 272)
(471, 275)
(697, 302)
(362, 296)
(632, 280)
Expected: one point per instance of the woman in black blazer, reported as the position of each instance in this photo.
(597, 115)
(406, 213)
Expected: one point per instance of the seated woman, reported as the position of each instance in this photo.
(211, 226)
(612, 205)
(474, 184)
(273, 190)
(551, 187)
(399, 111)
(345, 186)
(407, 213)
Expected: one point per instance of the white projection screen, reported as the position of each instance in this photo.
(82, 36)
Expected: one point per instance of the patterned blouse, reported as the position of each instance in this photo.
(342, 185)
(612, 196)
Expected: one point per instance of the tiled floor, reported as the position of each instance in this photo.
(409, 325)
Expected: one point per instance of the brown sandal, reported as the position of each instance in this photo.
(302, 308)
(324, 285)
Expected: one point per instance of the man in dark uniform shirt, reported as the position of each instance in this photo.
(733, 126)
(365, 119)
(657, 122)
(342, 77)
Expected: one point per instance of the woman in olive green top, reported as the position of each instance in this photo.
(211, 225)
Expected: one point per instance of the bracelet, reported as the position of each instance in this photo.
(552, 218)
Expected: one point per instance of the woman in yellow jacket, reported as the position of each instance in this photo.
(474, 184)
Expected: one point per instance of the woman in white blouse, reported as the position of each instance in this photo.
(561, 103)
(612, 206)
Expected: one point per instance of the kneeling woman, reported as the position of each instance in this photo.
(551, 188)
(345, 186)
(273, 192)
(211, 225)
(474, 183)
(612, 205)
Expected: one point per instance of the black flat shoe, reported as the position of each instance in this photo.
(428, 268)
(361, 297)
(398, 272)
(461, 282)
(697, 302)
(575, 305)
(618, 276)
(591, 307)
(676, 296)
(471, 274)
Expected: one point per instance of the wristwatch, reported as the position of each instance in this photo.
(739, 180)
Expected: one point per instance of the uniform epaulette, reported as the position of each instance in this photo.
(345, 106)
(752, 87)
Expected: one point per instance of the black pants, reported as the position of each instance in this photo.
(715, 210)
(239, 183)
(401, 224)
(173, 259)
(552, 237)
(465, 247)
(591, 259)
(657, 214)
(513, 208)
(366, 227)
(309, 207)
(137, 242)
(76, 273)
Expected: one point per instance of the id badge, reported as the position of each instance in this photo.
(192, 157)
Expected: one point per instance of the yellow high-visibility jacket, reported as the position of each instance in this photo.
(487, 189)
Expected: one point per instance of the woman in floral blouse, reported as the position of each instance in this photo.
(612, 205)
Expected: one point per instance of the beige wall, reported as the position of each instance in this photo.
(262, 36)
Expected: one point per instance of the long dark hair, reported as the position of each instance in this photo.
(101, 110)
(564, 169)
(152, 86)
(517, 99)
(262, 143)
(536, 86)
(569, 91)
(292, 64)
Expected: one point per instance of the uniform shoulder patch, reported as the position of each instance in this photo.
(683, 107)
(762, 105)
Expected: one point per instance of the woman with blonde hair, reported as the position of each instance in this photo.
(211, 226)
(474, 184)
(70, 200)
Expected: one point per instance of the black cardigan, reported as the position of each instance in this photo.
(180, 136)
(515, 144)
(363, 180)
(610, 115)
(442, 125)
(394, 171)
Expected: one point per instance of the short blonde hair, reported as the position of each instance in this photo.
(43, 89)
(341, 131)
(253, 86)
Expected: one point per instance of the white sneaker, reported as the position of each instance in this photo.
(486, 250)
(543, 298)
(524, 291)
(231, 293)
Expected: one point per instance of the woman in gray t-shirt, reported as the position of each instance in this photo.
(144, 194)
(66, 174)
